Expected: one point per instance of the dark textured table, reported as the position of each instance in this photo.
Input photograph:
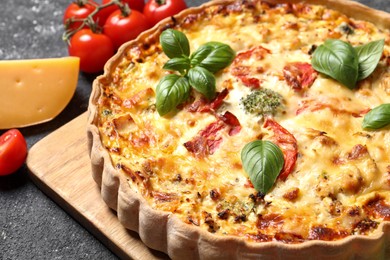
(32, 226)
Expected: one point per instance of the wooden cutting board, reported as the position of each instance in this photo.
(59, 165)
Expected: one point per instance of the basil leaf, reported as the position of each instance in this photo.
(369, 56)
(200, 54)
(174, 43)
(263, 161)
(213, 56)
(377, 118)
(181, 64)
(203, 81)
(338, 60)
(170, 92)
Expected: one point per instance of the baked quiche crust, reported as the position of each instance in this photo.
(139, 163)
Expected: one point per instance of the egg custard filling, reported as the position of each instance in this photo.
(335, 176)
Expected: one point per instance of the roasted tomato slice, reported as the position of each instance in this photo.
(287, 143)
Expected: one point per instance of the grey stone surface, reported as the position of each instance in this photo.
(32, 226)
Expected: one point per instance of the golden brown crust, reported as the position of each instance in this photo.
(164, 231)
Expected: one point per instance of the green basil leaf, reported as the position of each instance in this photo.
(181, 64)
(213, 56)
(369, 56)
(200, 54)
(170, 92)
(203, 81)
(174, 43)
(263, 161)
(377, 118)
(338, 60)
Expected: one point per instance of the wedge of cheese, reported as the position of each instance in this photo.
(35, 91)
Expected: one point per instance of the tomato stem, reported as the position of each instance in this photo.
(125, 9)
(88, 21)
(161, 2)
(80, 3)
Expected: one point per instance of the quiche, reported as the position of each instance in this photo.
(181, 178)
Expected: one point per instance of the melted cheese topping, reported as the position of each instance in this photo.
(340, 183)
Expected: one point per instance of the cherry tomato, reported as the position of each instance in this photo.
(13, 151)
(93, 49)
(156, 10)
(121, 28)
(133, 4)
(78, 10)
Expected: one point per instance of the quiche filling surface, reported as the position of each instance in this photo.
(188, 162)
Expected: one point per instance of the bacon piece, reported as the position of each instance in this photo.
(231, 120)
(269, 220)
(250, 81)
(138, 99)
(164, 196)
(124, 123)
(142, 139)
(257, 52)
(287, 143)
(242, 73)
(217, 102)
(202, 104)
(209, 139)
(299, 75)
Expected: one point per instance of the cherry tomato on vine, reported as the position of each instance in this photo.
(13, 151)
(133, 4)
(122, 28)
(93, 49)
(156, 10)
(104, 13)
(79, 9)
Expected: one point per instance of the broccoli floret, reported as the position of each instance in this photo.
(262, 102)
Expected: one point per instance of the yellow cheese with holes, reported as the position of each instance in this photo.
(35, 91)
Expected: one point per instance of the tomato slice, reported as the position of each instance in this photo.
(287, 143)
(13, 151)
(299, 75)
